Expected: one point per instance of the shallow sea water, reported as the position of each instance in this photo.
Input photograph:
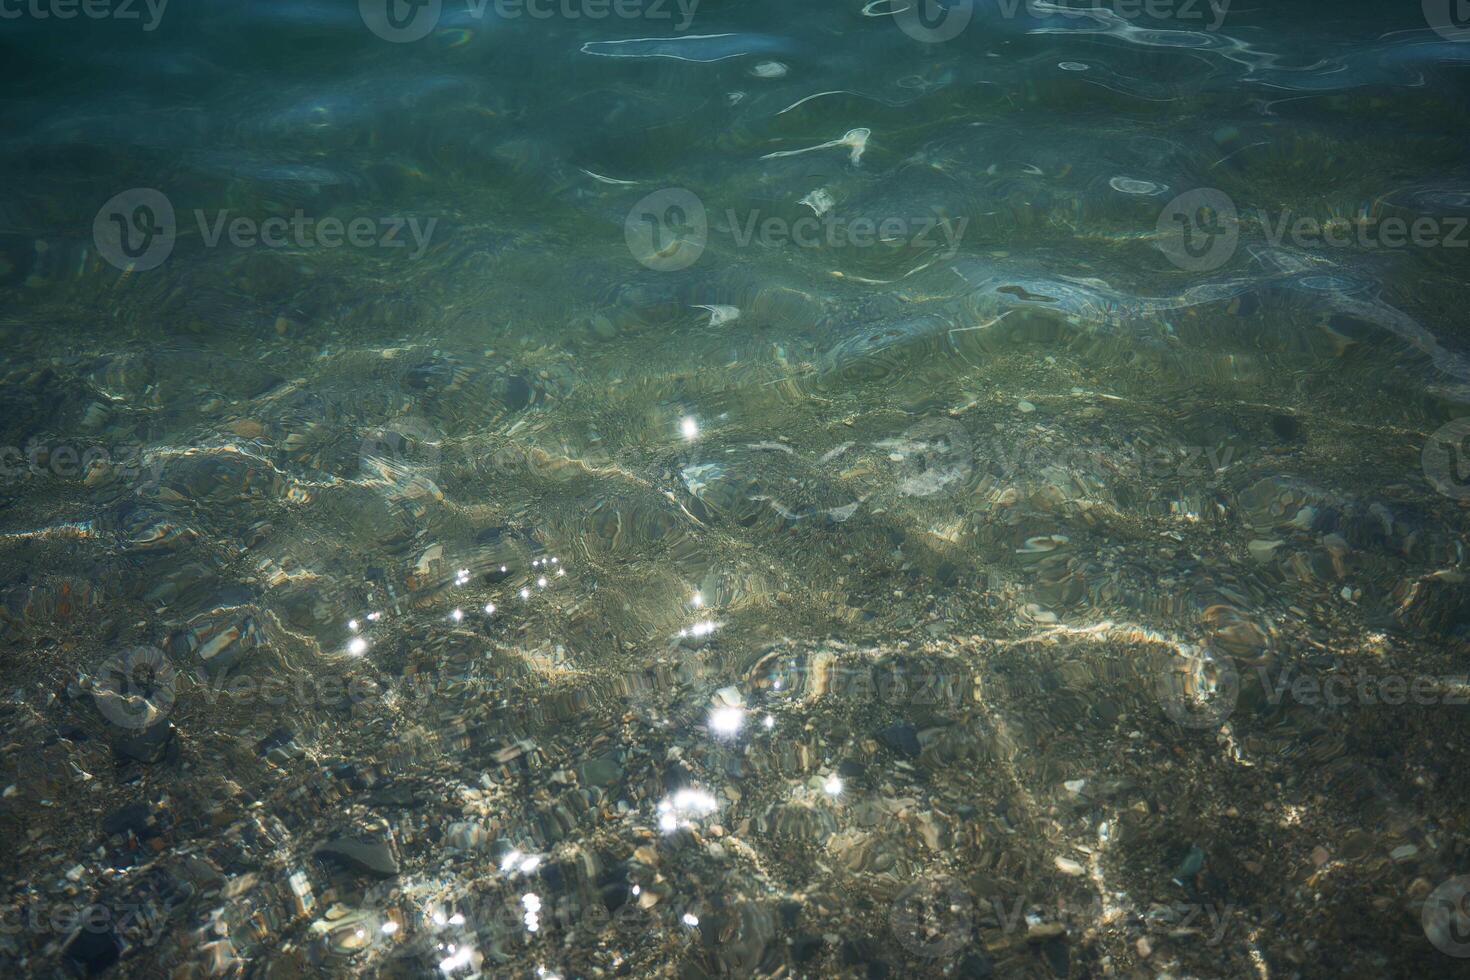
(740, 489)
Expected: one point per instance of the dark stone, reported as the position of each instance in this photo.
(677, 840)
(149, 746)
(676, 776)
(902, 737)
(278, 739)
(348, 773)
(394, 794)
(1286, 427)
(70, 732)
(613, 896)
(603, 770)
(857, 952)
(429, 374)
(789, 912)
(806, 948)
(132, 818)
(234, 594)
(974, 966)
(1192, 863)
(94, 951)
(1057, 957)
(372, 857)
(517, 393)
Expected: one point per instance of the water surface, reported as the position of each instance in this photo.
(733, 489)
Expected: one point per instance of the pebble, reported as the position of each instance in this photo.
(94, 951)
(902, 737)
(1025, 407)
(372, 857)
(1069, 867)
(1261, 549)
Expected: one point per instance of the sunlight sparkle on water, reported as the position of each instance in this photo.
(726, 721)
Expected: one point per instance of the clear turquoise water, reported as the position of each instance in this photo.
(750, 489)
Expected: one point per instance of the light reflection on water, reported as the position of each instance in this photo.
(776, 491)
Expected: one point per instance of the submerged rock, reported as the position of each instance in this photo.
(374, 857)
